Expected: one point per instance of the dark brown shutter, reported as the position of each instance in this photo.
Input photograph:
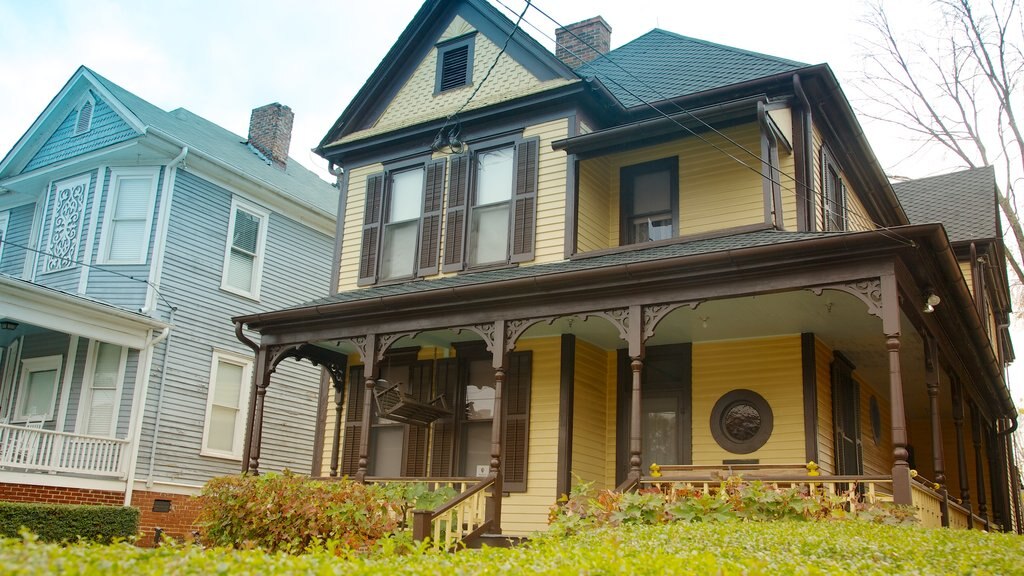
(353, 422)
(525, 201)
(443, 445)
(455, 215)
(371, 229)
(430, 224)
(517, 420)
(421, 379)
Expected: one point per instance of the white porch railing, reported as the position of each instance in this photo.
(49, 451)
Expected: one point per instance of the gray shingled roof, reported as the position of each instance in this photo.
(722, 244)
(662, 65)
(214, 141)
(964, 202)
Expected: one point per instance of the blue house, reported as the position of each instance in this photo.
(129, 236)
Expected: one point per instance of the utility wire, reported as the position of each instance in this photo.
(4, 241)
(832, 210)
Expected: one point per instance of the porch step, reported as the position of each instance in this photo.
(496, 541)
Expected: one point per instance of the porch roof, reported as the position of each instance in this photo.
(616, 258)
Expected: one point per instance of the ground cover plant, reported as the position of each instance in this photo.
(730, 547)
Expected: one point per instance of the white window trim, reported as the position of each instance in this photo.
(261, 240)
(78, 116)
(5, 218)
(28, 366)
(106, 236)
(246, 362)
(85, 402)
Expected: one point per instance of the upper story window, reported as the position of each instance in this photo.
(37, 390)
(402, 223)
(454, 64)
(833, 193)
(83, 122)
(226, 404)
(129, 216)
(67, 206)
(499, 204)
(649, 201)
(243, 256)
(5, 217)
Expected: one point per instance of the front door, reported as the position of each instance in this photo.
(846, 418)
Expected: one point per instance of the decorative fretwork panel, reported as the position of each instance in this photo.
(66, 225)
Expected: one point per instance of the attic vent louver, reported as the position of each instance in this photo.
(84, 121)
(454, 68)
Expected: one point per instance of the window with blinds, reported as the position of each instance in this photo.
(129, 216)
(99, 403)
(37, 389)
(226, 405)
(243, 260)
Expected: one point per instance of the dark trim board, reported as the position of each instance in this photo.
(566, 404)
(809, 373)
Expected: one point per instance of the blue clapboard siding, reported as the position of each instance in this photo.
(107, 128)
(122, 285)
(66, 279)
(296, 268)
(124, 413)
(19, 226)
(43, 344)
(77, 380)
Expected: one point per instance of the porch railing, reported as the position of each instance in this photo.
(49, 451)
(959, 517)
(874, 488)
(929, 505)
(458, 520)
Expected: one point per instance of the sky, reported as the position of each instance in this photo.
(222, 58)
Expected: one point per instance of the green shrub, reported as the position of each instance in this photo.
(732, 499)
(65, 522)
(288, 512)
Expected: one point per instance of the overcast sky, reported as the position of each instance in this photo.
(222, 58)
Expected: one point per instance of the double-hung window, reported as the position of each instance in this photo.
(491, 212)
(105, 374)
(37, 390)
(833, 193)
(402, 223)
(243, 257)
(129, 216)
(649, 204)
(230, 375)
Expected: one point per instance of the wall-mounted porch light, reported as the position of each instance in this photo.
(931, 300)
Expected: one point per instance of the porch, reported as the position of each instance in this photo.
(31, 448)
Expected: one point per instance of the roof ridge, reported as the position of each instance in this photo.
(760, 55)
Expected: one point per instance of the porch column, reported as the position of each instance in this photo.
(339, 398)
(961, 452)
(498, 361)
(901, 490)
(932, 382)
(261, 382)
(979, 464)
(636, 365)
(369, 354)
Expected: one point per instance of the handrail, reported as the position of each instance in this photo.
(64, 434)
(766, 478)
(629, 484)
(429, 522)
(485, 483)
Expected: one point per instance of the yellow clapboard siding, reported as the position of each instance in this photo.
(594, 207)
(856, 215)
(611, 391)
(877, 457)
(551, 175)
(523, 513)
(787, 182)
(965, 269)
(769, 366)
(826, 436)
(589, 449)
(816, 185)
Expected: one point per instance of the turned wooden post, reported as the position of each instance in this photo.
(369, 354)
(932, 383)
(494, 500)
(636, 365)
(339, 398)
(901, 491)
(979, 464)
(263, 372)
(961, 451)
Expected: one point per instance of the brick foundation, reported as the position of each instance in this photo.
(177, 523)
(59, 495)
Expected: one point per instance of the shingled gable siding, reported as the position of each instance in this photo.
(296, 268)
(19, 226)
(416, 100)
(107, 128)
(108, 282)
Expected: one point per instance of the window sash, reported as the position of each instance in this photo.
(243, 255)
(130, 205)
(404, 201)
(100, 407)
(40, 379)
(649, 201)
(226, 406)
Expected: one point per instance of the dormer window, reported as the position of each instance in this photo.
(84, 120)
(454, 64)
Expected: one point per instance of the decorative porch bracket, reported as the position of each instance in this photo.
(868, 291)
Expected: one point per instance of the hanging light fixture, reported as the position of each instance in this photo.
(8, 325)
(931, 300)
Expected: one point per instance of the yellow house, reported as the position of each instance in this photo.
(576, 265)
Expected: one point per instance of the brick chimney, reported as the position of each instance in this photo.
(270, 132)
(573, 40)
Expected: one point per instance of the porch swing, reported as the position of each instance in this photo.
(394, 404)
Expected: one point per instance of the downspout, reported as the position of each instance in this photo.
(252, 394)
(140, 412)
(808, 148)
(339, 226)
(156, 264)
(159, 405)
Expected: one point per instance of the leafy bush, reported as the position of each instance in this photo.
(65, 522)
(785, 547)
(732, 499)
(292, 513)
